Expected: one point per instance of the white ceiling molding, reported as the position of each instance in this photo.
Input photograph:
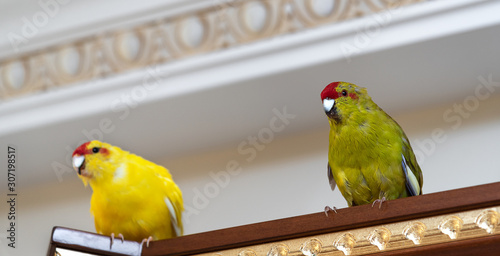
(218, 26)
(312, 47)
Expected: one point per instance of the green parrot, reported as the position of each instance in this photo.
(370, 158)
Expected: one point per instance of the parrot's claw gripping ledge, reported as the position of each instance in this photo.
(147, 240)
(379, 201)
(113, 239)
(328, 209)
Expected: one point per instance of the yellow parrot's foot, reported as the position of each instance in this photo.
(328, 209)
(149, 239)
(379, 201)
(113, 239)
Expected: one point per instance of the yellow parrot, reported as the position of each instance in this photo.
(370, 158)
(132, 198)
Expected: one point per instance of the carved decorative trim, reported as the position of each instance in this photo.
(225, 24)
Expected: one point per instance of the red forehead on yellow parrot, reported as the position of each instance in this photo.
(84, 149)
(332, 91)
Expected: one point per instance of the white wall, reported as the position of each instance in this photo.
(287, 178)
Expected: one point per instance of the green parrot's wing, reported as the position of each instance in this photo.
(412, 184)
(411, 170)
(333, 184)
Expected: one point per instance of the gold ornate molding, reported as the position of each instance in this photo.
(223, 25)
(394, 236)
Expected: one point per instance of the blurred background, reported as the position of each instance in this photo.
(225, 94)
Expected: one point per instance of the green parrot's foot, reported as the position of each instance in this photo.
(113, 239)
(149, 239)
(328, 209)
(379, 201)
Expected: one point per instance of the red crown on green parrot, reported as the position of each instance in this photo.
(330, 91)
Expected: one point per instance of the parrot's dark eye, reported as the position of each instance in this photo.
(95, 149)
(344, 93)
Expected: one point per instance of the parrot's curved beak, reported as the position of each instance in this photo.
(79, 163)
(330, 109)
(328, 104)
